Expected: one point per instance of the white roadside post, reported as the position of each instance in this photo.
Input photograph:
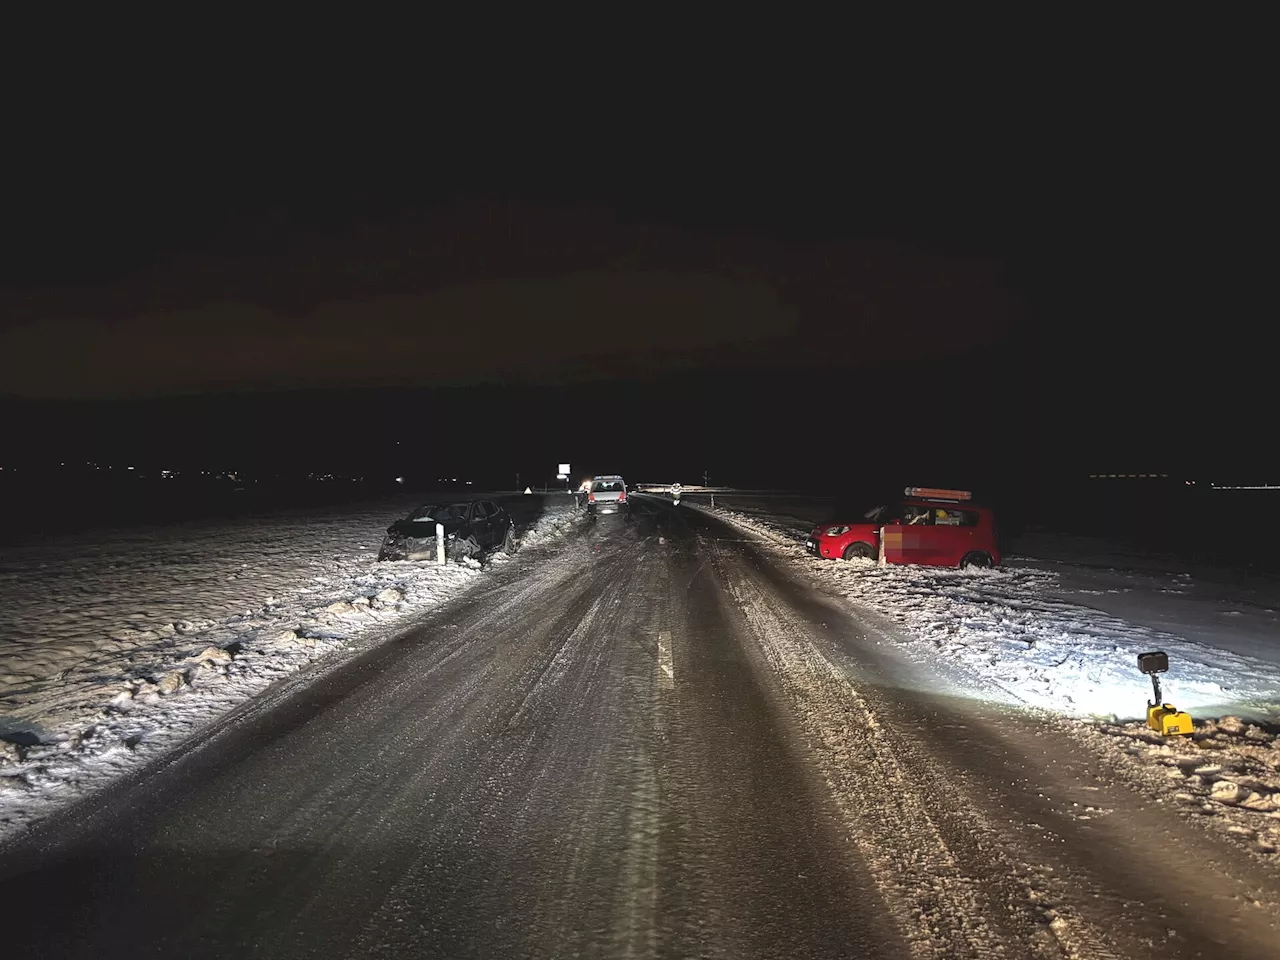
(440, 543)
(881, 561)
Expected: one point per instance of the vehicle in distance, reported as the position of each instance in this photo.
(928, 526)
(607, 495)
(471, 528)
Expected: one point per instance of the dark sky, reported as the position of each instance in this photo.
(1064, 265)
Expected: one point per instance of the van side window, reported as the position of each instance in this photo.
(916, 516)
(948, 517)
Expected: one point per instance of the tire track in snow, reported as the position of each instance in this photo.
(1100, 888)
(941, 907)
(537, 729)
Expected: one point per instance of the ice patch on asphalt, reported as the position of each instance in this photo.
(140, 638)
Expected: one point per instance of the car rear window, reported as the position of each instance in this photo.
(921, 514)
(607, 486)
(948, 517)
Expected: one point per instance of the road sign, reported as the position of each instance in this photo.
(564, 469)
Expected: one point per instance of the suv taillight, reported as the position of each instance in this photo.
(622, 496)
(591, 497)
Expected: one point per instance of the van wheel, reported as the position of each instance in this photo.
(861, 550)
(976, 559)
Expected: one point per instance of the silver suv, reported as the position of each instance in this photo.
(607, 495)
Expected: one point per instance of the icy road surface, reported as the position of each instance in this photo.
(655, 741)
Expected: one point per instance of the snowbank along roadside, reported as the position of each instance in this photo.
(115, 647)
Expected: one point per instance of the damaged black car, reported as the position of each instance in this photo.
(471, 529)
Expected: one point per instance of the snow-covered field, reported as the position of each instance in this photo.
(114, 646)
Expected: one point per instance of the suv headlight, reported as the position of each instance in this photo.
(835, 531)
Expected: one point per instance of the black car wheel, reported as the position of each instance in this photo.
(976, 559)
(863, 551)
(509, 541)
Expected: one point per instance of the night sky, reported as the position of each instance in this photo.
(962, 282)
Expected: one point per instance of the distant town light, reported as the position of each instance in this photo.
(131, 468)
(399, 479)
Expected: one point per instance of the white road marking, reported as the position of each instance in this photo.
(665, 662)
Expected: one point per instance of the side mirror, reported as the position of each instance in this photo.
(1155, 662)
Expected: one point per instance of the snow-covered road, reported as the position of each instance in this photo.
(664, 738)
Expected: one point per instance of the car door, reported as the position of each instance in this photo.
(952, 534)
(909, 541)
(501, 523)
(498, 522)
(491, 522)
(480, 523)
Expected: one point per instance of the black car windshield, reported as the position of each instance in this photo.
(607, 486)
(440, 512)
(883, 514)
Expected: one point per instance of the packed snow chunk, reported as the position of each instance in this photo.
(1231, 725)
(172, 682)
(388, 596)
(1262, 802)
(123, 701)
(14, 785)
(147, 691)
(340, 608)
(9, 752)
(214, 656)
(1224, 791)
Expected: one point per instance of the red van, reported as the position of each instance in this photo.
(940, 528)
